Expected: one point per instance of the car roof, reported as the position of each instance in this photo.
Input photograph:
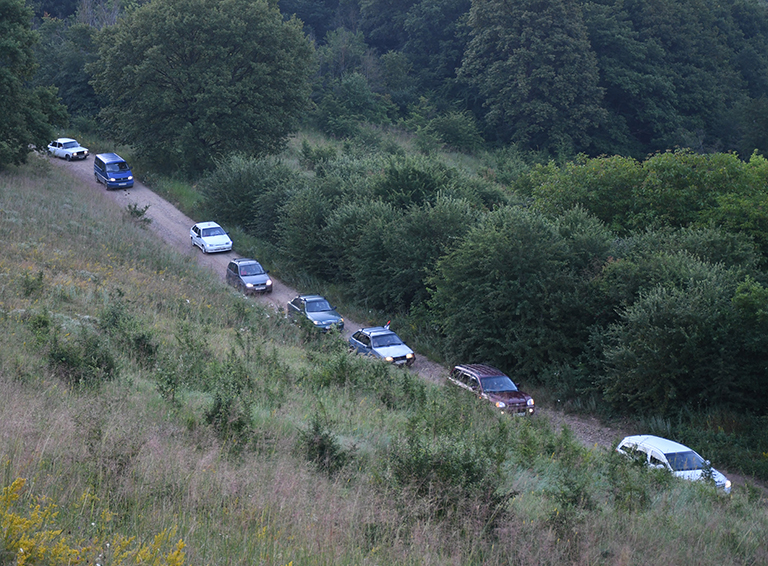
(207, 225)
(376, 330)
(240, 260)
(62, 140)
(480, 370)
(311, 297)
(109, 157)
(661, 444)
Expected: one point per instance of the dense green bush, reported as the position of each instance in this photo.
(685, 345)
(506, 294)
(320, 446)
(82, 358)
(248, 192)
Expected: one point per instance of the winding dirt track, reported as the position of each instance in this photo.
(172, 227)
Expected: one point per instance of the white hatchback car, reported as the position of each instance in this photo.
(210, 237)
(67, 148)
(677, 458)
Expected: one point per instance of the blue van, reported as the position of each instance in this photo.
(112, 170)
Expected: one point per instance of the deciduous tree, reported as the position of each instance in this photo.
(533, 63)
(28, 113)
(189, 81)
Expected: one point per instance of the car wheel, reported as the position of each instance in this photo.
(68, 157)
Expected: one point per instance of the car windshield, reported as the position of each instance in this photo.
(118, 166)
(321, 305)
(497, 383)
(683, 461)
(251, 269)
(70, 144)
(384, 340)
(218, 231)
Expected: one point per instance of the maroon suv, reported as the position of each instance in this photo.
(489, 383)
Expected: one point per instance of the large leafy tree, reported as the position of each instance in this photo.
(506, 294)
(189, 81)
(27, 112)
(532, 62)
(64, 51)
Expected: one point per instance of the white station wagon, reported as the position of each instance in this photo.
(677, 458)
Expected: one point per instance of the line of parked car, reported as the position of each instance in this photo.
(486, 382)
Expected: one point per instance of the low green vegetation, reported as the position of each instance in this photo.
(145, 399)
(617, 287)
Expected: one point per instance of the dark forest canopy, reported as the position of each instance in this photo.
(563, 76)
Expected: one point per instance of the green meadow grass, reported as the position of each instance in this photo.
(143, 397)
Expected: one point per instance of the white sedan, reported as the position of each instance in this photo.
(677, 458)
(67, 148)
(210, 237)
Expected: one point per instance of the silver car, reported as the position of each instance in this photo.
(665, 454)
(381, 342)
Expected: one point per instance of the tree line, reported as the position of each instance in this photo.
(560, 77)
(609, 278)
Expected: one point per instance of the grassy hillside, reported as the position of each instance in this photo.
(144, 399)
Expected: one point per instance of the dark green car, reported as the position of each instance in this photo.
(316, 310)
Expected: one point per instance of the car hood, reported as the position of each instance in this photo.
(252, 279)
(324, 317)
(217, 240)
(394, 351)
(695, 475)
(509, 397)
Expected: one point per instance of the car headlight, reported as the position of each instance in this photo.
(317, 322)
(389, 359)
(249, 285)
(501, 404)
(269, 282)
(130, 177)
(409, 356)
(530, 402)
(727, 484)
(112, 179)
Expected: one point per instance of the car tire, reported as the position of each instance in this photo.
(68, 157)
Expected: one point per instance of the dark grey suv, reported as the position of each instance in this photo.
(248, 276)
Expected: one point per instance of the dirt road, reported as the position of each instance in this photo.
(172, 227)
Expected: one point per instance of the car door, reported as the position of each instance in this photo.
(294, 308)
(57, 151)
(232, 278)
(361, 342)
(196, 236)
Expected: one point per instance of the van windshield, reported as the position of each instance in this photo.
(117, 166)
